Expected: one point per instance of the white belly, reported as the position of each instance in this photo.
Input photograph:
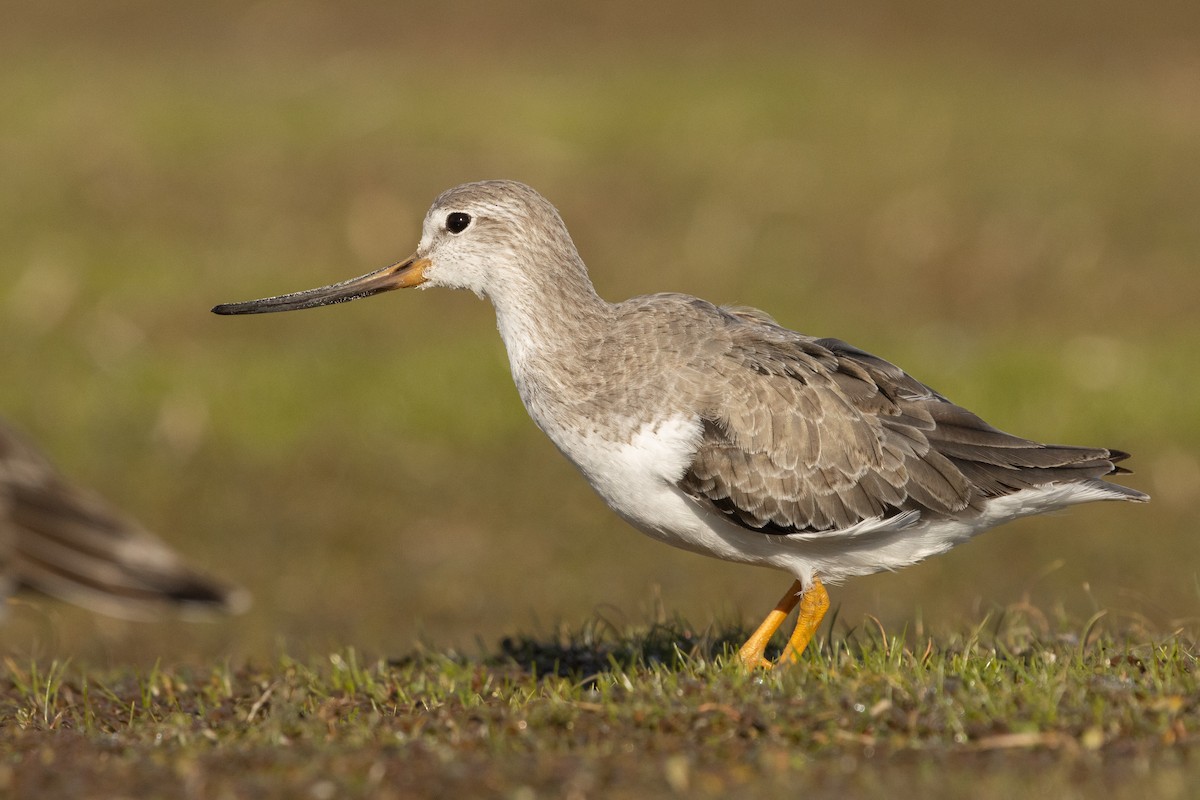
(637, 478)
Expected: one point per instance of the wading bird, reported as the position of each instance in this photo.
(715, 429)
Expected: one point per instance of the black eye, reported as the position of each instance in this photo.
(457, 222)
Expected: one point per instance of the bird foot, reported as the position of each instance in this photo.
(753, 661)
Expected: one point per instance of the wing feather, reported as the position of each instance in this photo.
(67, 541)
(812, 435)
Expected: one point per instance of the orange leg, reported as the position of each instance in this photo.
(813, 606)
(751, 654)
(814, 602)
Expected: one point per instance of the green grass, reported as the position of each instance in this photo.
(1012, 704)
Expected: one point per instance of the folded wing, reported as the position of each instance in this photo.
(819, 436)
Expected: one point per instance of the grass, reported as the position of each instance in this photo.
(657, 710)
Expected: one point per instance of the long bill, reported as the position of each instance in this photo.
(407, 273)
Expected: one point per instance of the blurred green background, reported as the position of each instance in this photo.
(1004, 199)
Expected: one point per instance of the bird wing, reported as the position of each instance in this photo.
(66, 541)
(817, 435)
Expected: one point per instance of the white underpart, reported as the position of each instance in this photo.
(638, 479)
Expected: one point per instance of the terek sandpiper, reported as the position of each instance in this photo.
(65, 541)
(716, 430)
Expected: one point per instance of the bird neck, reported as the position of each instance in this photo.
(557, 312)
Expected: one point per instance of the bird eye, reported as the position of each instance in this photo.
(457, 222)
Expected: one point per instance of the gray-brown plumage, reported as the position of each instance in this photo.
(717, 430)
(68, 542)
(825, 436)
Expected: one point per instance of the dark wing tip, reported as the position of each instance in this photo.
(207, 598)
(1114, 458)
